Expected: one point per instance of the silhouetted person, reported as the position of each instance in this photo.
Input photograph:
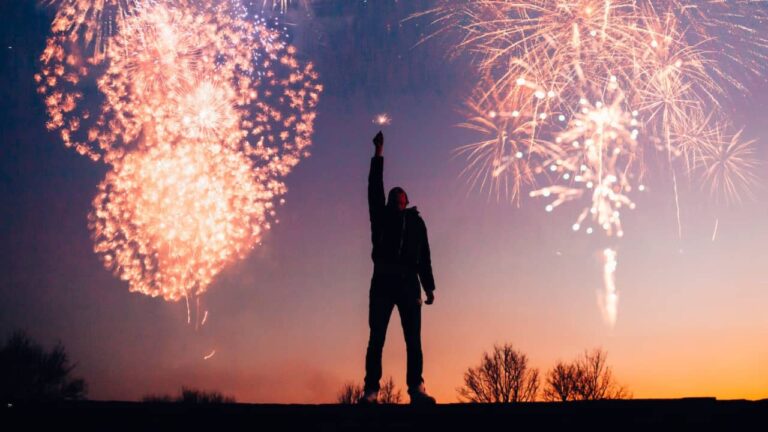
(400, 260)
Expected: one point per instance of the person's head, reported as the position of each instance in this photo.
(397, 198)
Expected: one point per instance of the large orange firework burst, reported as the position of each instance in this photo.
(169, 218)
(199, 110)
(169, 55)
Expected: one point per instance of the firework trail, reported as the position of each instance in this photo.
(199, 110)
(609, 298)
(579, 98)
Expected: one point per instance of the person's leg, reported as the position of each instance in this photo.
(410, 318)
(379, 311)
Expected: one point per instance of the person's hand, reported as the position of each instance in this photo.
(378, 140)
(430, 297)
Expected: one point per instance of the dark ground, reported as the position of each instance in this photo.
(675, 414)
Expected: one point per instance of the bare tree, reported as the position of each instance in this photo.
(350, 393)
(588, 377)
(561, 383)
(191, 396)
(595, 378)
(389, 394)
(195, 396)
(503, 376)
(158, 398)
(30, 372)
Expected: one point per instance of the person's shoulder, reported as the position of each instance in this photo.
(413, 213)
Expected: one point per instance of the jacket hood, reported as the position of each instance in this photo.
(393, 192)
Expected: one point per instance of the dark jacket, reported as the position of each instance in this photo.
(399, 238)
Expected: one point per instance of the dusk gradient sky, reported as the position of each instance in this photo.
(289, 323)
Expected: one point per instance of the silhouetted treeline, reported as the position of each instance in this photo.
(588, 377)
(29, 372)
(505, 376)
(351, 393)
(191, 396)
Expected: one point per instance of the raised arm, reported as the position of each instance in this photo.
(376, 181)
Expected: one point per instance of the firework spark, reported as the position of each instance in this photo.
(382, 119)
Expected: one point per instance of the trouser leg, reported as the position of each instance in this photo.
(379, 311)
(410, 318)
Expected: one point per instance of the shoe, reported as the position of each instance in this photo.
(369, 397)
(419, 396)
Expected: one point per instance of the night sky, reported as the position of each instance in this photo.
(289, 323)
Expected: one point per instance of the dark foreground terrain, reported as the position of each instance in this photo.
(678, 414)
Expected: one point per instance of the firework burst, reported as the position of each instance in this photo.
(91, 23)
(667, 57)
(598, 150)
(199, 110)
(729, 167)
(168, 219)
(583, 78)
(168, 57)
(500, 163)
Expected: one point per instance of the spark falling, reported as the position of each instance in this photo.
(608, 300)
